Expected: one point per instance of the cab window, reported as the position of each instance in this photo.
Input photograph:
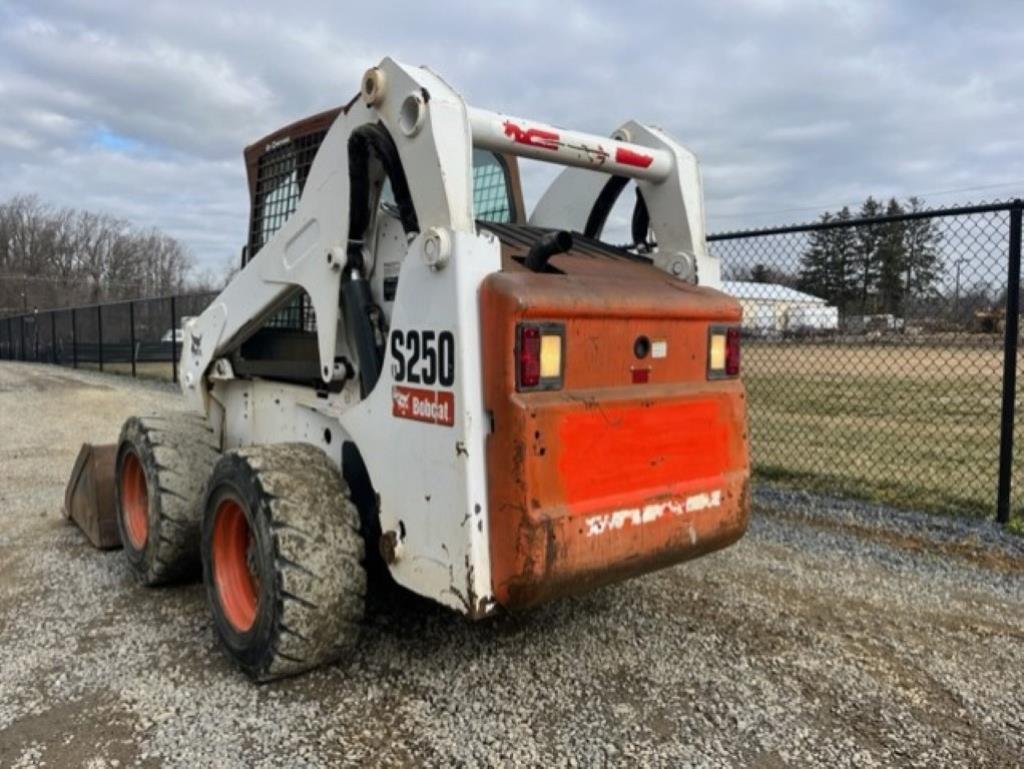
(492, 198)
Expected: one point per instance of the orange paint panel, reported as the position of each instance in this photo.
(611, 457)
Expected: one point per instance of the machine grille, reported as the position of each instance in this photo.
(280, 178)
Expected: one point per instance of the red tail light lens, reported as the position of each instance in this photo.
(732, 352)
(529, 356)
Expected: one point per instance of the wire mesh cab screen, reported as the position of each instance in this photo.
(280, 178)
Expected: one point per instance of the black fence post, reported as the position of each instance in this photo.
(21, 334)
(99, 334)
(131, 332)
(174, 343)
(35, 337)
(53, 336)
(74, 339)
(1009, 365)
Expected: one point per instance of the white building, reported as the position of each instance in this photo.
(770, 307)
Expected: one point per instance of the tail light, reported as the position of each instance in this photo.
(732, 352)
(723, 352)
(539, 356)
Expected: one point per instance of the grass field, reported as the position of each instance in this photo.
(916, 426)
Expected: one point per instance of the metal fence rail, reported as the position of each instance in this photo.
(140, 337)
(880, 353)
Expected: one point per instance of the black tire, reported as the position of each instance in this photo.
(282, 559)
(163, 463)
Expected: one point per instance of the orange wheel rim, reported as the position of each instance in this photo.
(237, 587)
(134, 500)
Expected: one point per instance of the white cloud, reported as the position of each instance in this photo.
(142, 109)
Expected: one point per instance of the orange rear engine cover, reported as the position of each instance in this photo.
(606, 478)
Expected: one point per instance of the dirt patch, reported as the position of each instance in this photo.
(71, 734)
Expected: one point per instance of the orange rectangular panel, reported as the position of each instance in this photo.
(612, 456)
(609, 477)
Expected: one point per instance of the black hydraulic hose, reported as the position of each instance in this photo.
(362, 315)
(366, 139)
(641, 222)
(546, 246)
(603, 206)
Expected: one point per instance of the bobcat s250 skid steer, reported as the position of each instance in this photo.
(411, 373)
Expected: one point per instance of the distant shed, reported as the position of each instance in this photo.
(772, 307)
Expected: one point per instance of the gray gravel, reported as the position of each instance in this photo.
(833, 635)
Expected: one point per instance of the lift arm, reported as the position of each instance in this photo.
(434, 132)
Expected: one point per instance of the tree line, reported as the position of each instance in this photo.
(868, 268)
(61, 257)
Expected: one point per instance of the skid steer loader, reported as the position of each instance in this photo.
(410, 373)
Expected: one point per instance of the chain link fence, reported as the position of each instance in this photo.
(880, 354)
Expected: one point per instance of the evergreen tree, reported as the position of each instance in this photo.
(843, 256)
(828, 266)
(892, 261)
(814, 263)
(922, 262)
(869, 237)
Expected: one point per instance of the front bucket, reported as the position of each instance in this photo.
(89, 498)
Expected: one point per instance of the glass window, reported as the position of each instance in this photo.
(491, 199)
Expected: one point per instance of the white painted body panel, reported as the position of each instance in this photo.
(432, 478)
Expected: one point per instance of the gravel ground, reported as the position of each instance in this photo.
(833, 635)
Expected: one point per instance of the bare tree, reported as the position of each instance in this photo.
(57, 257)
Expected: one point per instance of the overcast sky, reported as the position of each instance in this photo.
(141, 109)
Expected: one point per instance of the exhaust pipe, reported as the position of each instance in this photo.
(548, 245)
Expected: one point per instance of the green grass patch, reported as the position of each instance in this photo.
(912, 427)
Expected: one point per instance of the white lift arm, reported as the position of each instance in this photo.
(434, 132)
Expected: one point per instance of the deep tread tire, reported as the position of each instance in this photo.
(305, 551)
(176, 452)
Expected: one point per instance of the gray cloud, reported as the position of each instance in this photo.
(142, 109)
